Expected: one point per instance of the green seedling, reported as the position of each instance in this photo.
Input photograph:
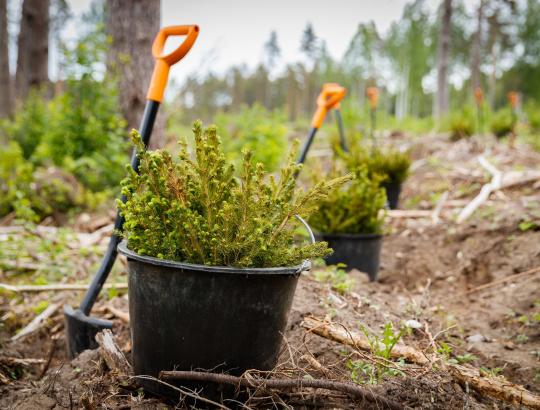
(493, 372)
(381, 347)
(336, 276)
(528, 226)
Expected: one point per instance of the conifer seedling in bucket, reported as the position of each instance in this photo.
(212, 258)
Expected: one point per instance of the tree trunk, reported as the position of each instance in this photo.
(33, 47)
(477, 50)
(443, 57)
(5, 76)
(133, 24)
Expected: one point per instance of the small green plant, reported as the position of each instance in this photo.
(381, 347)
(356, 207)
(502, 123)
(336, 276)
(462, 124)
(466, 358)
(195, 210)
(525, 226)
(491, 372)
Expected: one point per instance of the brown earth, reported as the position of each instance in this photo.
(430, 273)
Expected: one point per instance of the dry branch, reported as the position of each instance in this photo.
(357, 340)
(57, 287)
(37, 322)
(503, 280)
(408, 213)
(109, 351)
(120, 314)
(494, 387)
(499, 181)
(485, 192)
(349, 388)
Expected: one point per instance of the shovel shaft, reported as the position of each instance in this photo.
(339, 121)
(145, 130)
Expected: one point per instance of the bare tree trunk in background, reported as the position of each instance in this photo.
(443, 56)
(5, 76)
(477, 49)
(133, 24)
(33, 47)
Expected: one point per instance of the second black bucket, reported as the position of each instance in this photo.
(393, 189)
(187, 317)
(357, 251)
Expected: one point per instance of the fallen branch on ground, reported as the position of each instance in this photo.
(357, 340)
(494, 387)
(500, 389)
(120, 314)
(485, 191)
(349, 388)
(503, 280)
(498, 181)
(16, 361)
(57, 287)
(408, 213)
(37, 322)
(110, 352)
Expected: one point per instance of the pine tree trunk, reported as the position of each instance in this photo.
(477, 50)
(6, 103)
(133, 24)
(443, 57)
(32, 47)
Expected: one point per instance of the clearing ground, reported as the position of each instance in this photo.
(469, 292)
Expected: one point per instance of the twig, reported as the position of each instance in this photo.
(57, 287)
(435, 216)
(37, 322)
(497, 388)
(183, 391)
(349, 388)
(123, 316)
(339, 334)
(486, 190)
(49, 359)
(15, 361)
(408, 213)
(503, 280)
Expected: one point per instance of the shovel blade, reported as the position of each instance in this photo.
(81, 330)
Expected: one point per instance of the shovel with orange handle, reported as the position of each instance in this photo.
(81, 328)
(373, 98)
(329, 98)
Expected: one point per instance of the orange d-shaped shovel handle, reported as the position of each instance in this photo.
(330, 97)
(165, 61)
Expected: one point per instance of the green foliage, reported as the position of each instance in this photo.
(336, 276)
(391, 165)
(462, 124)
(34, 193)
(256, 129)
(381, 347)
(502, 123)
(353, 208)
(533, 116)
(79, 130)
(197, 211)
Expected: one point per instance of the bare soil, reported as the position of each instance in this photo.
(431, 273)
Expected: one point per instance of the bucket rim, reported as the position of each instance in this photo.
(287, 270)
(351, 235)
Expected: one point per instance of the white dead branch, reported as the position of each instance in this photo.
(37, 322)
(498, 181)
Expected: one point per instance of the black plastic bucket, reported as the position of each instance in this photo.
(357, 251)
(187, 317)
(393, 189)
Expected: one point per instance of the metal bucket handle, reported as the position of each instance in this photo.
(306, 263)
